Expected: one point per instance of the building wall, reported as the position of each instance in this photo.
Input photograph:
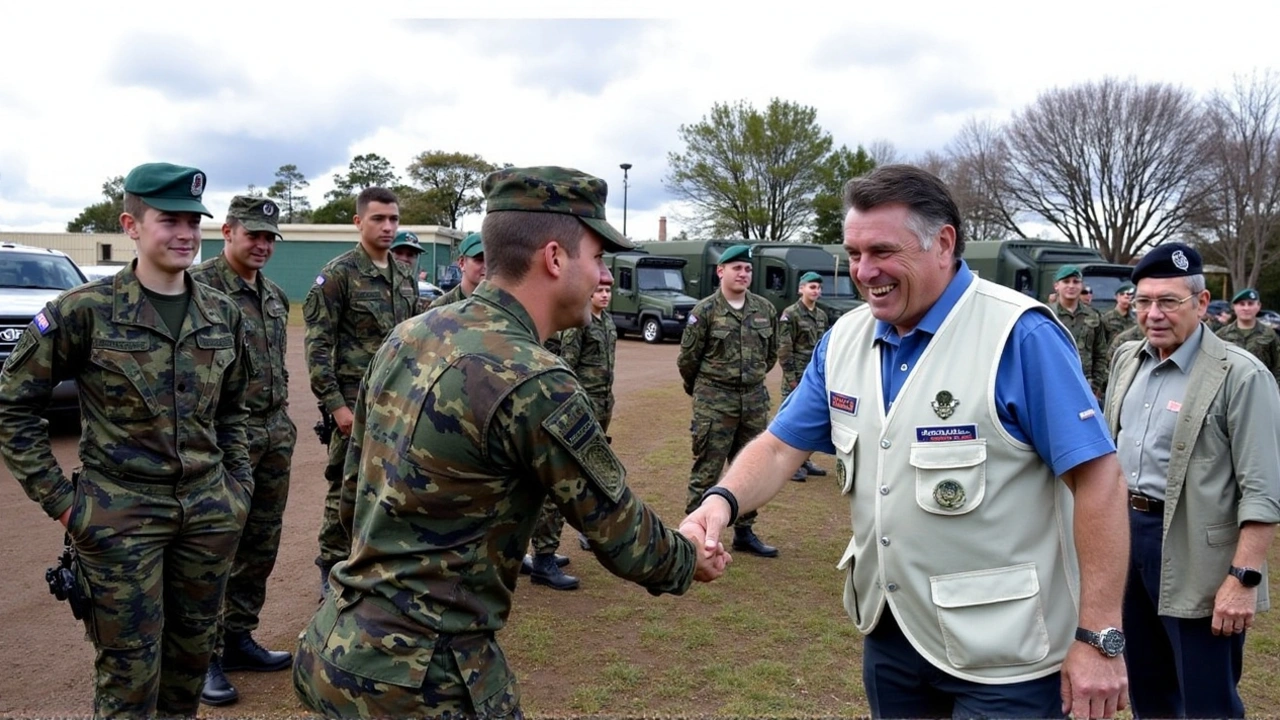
(84, 248)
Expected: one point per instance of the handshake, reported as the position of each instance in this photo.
(702, 527)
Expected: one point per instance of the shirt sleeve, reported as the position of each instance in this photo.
(321, 310)
(803, 421)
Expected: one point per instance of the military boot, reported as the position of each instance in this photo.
(812, 469)
(583, 542)
(800, 475)
(526, 565)
(217, 690)
(744, 539)
(547, 572)
(242, 652)
(324, 580)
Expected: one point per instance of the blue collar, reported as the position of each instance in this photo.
(932, 320)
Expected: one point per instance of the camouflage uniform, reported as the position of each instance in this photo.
(466, 424)
(449, 298)
(349, 311)
(1260, 340)
(1115, 323)
(1132, 333)
(271, 435)
(800, 329)
(164, 489)
(724, 356)
(589, 352)
(1091, 339)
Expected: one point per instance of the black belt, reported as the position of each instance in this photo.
(1142, 503)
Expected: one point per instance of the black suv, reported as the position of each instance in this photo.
(30, 277)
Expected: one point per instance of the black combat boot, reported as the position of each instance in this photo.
(583, 542)
(812, 469)
(217, 690)
(526, 565)
(242, 652)
(744, 539)
(547, 572)
(800, 475)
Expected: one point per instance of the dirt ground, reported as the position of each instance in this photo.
(45, 661)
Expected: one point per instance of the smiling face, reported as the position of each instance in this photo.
(247, 252)
(167, 241)
(899, 279)
(735, 277)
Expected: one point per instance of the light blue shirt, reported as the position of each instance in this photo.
(1039, 386)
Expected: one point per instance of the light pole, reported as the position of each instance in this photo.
(625, 167)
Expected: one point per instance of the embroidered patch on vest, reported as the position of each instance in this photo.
(944, 404)
(949, 494)
(844, 403)
(946, 433)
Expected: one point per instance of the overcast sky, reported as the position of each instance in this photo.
(238, 88)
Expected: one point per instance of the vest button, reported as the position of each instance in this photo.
(884, 541)
(891, 587)
(885, 443)
(884, 489)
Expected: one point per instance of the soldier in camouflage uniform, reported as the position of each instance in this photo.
(1085, 325)
(800, 327)
(406, 249)
(465, 425)
(471, 261)
(1119, 318)
(156, 510)
(357, 299)
(730, 343)
(1250, 334)
(249, 237)
(1131, 333)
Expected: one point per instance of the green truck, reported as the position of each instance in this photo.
(776, 271)
(1028, 266)
(648, 294)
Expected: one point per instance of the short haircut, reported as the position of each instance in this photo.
(511, 237)
(929, 202)
(375, 194)
(135, 206)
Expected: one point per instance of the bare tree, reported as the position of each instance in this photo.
(976, 172)
(883, 152)
(1241, 212)
(1113, 165)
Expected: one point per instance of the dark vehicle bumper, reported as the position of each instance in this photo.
(65, 399)
(672, 327)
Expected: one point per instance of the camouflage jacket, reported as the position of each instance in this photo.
(153, 409)
(1133, 332)
(265, 308)
(466, 424)
(1085, 325)
(800, 329)
(449, 298)
(1116, 323)
(1261, 341)
(724, 346)
(349, 311)
(590, 352)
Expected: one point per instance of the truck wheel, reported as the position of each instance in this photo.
(652, 330)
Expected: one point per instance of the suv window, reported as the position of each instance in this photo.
(38, 272)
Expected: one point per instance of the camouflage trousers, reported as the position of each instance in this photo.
(364, 660)
(724, 421)
(271, 453)
(335, 544)
(153, 559)
(549, 526)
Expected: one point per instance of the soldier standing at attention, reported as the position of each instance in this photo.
(465, 425)
(1119, 318)
(471, 261)
(1085, 325)
(800, 327)
(157, 508)
(249, 239)
(356, 300)
(1251, 335)
(730, 343)
(406, 249)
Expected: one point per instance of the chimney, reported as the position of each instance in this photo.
(662, 229)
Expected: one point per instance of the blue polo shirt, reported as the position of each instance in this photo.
(1041, 393)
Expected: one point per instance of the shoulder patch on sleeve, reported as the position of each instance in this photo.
(575, 427)
(693, 319)
(783, 318)
(42, 322)
(320, 279)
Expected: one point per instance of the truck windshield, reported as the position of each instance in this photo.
(837, 285)
(653, 278)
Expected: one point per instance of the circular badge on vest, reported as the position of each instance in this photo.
(948, 494)
(840, 473)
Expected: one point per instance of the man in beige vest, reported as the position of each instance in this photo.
(984, 585)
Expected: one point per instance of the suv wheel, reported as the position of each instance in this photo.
(652, 330)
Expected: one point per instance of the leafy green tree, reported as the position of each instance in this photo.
(338, 211)
(750, 173)
(419, 207)
(452, 180)
(253, 191)
(365, 171)
(836, 169)
(287, 191)
(102, 217)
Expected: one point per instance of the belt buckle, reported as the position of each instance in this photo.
(1141, 503)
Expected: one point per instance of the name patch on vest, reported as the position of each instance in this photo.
(946, 433)
(844, 403)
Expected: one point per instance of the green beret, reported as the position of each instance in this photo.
(554, 190)
(1245, 294)
(166, 187)
(256, 214)
(404, 238)
(810, 277)
(1126, 289)
(735, 253)
(1169, 260)
(1067, 271)
(472, 246)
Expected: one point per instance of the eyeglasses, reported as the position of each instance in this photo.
(1166, 304)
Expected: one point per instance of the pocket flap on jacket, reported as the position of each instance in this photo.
(371, 642)
(949, 454)
(843, 438)
(983, 587)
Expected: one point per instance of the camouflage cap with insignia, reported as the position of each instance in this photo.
(1244, 295)
(735, 253)
(810, 277)
(554, 190)
(404, 238)
(168, 187)
(472, 246)
(256, 214)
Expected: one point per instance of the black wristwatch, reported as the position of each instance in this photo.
(1110, 641)
(1247, 576)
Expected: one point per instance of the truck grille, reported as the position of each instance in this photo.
(9, 334)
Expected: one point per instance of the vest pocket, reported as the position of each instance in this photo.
(850, 590)
(951, 477)
(991, 618)
(845, 442)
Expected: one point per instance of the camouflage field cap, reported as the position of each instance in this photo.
(404, 238)
(1244, 295)
(554, 190)
(810, 277)
(735, 253)
(168, 187)
(256, 214)
(1067, 271)
(472, 246)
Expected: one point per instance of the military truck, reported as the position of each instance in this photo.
(648, 294)
(776, 271)
(1028, 266)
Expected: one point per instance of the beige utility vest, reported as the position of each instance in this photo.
(961, 528)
